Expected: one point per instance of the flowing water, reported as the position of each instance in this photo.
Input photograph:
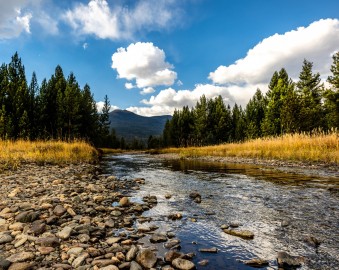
(282, 208)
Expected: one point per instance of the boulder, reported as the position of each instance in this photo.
(183, 264)
(146, 258)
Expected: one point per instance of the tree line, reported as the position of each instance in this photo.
(287, 107)
(56, 109)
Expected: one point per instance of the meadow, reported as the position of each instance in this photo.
(319, 147)
(13, 153)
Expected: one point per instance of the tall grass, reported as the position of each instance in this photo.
(318, 147)
(12, 153)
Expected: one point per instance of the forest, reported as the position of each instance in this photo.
(288, 107)
(59, 109)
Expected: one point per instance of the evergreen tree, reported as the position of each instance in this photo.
(310, 92)
(331, 95)
(254, 115)
(200, 121)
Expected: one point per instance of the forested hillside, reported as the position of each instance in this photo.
(287, 107)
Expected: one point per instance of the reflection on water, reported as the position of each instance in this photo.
(282, 209)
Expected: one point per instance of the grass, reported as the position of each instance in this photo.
(320, 147)
(13, 153)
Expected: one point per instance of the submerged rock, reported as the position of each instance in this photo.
(286, 260)
(183, 264)
(240, 233)
(256, 262)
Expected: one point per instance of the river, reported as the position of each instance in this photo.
(282, 208)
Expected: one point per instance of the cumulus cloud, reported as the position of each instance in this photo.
(100, 19)
(147, 90)
(13, 21)
(129, 86)
(144, 63)
(315, 42)
(100, 106)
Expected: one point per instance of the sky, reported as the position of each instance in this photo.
(152, 56)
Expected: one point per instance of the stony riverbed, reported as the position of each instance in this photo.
(76, 217)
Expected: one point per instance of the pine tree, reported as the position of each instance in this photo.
(200, 121)
(310, 91)
(254, 115)
(331, 95)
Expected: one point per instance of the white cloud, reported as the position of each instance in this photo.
(100, 105)
(85, 45)
(180, 83)
(119, 21)
(13, 21)
(147, 90)
(130, 86)
(144, 63)
(314, 43)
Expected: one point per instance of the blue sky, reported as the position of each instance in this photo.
(151, 56)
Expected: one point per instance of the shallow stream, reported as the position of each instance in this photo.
(282, 208)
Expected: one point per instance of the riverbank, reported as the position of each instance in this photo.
(74, 217)
(15, 153)
(290, 150)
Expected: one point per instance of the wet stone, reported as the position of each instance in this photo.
(146, 258)
(183, 264)
(286, 260)
(256, 262)
(158, 238)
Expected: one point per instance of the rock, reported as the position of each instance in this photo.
(209, 250)
(134, 266)
(116, 213)
(46, 250)
(167, 267)
(168, 196)
(65, 233)
(197, 200)
(102, 262)
(132, 252)
(21, 257)
(71, 211)
(80, 260)
(235, 224)
(194, 195)
(98, 198)
(312, 241)
(83, 238)
(21, 266)
(171, 255)
(146, 258)
(113, 240)
(285, 260)
(124, 201)
(27, 216)
(21, 241)
(5, 238)
(183, 264)
(172, 243)
(203, 262)
(61, 266)
(2, 221)
(158, 238)
(240, 233)
(17, 226)
(224, 226)
(38, 227)
(109, 267)
(256, 262)
(4, 264)
(48, 242)
(175, 216)
(59, 210)
(75, 251)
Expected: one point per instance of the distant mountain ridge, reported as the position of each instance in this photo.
(130, 125)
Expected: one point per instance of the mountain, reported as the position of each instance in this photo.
(130, 125)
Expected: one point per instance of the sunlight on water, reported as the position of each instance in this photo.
(281, 208)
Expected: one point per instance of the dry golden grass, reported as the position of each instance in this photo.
(292, 147)
(12, 153)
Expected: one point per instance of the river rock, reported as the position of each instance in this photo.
(65, 233)
(75, 251)
(312, 241)
(209, 250)
(4, 264)
(203, 262)
(109, 267)
(286, 260)
(46, 250)
(183, 264)
(158, 238)
(124, 201)
(27, 216)
(5, 238)
(22, 240)
(113, 240)
(80, 260)
(17, 226)
(240, 233)
(132, 252)
(256, 262)
(59, 210)
(48, 242)
(173, 243)
(21, 266)
(21, 257)
(146, 258)
(175, 216)
(171, 255)
(38, 227)
(134, 266)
